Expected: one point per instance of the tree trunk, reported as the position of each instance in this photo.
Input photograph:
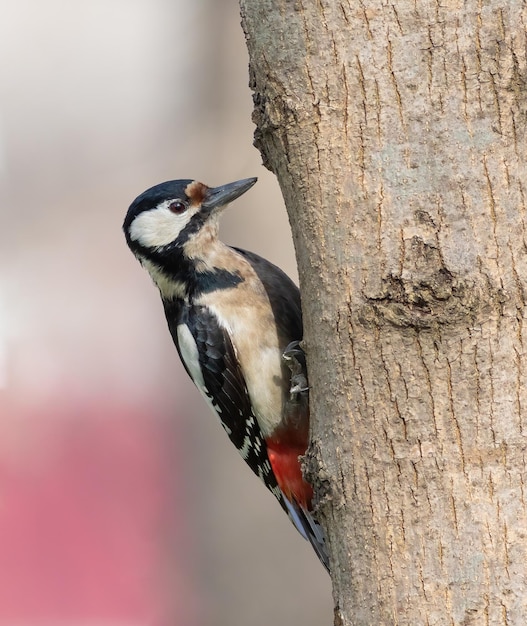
(397, 133)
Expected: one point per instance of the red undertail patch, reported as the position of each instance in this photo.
(286, 468)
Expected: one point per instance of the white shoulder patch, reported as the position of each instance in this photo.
(190, 356)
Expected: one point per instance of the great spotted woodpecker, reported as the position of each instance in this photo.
(236, 321)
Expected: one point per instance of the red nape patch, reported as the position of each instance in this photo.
(286, 468)
(196, 192)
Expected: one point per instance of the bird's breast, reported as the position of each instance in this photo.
(247, 317)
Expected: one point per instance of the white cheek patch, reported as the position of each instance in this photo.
(159, 227)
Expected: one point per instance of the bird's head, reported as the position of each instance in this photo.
(171, 215)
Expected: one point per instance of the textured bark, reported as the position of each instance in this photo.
(397, 133)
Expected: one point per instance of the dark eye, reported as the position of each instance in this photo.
(177, 206)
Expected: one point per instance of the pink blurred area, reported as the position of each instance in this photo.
(83, 518)
(121, 500)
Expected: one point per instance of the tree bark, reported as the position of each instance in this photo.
(397, 132)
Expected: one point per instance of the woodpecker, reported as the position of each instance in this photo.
(236, 321)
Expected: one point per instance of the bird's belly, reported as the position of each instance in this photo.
(263, 376)
(257, 346)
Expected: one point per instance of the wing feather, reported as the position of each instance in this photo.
(209, 357)
(212, 364)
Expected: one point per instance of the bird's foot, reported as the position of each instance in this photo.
(295, 359)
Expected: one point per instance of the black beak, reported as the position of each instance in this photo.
(220, 196)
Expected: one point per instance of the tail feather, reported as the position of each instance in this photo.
(310, 529)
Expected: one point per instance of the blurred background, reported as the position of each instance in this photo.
(121, 500)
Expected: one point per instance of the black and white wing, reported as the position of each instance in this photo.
(208, 355)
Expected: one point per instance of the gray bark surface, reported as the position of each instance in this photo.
(397, 133)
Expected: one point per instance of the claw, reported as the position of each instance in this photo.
(298, 388)
(294, 356)
(295, 359)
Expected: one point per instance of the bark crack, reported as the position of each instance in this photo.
(455, 421)
(397, 20)
(395, 85)
(429, 386)
(492, 396)
(491, 204)
(518, 388)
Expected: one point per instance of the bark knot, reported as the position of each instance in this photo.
(425, 293)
